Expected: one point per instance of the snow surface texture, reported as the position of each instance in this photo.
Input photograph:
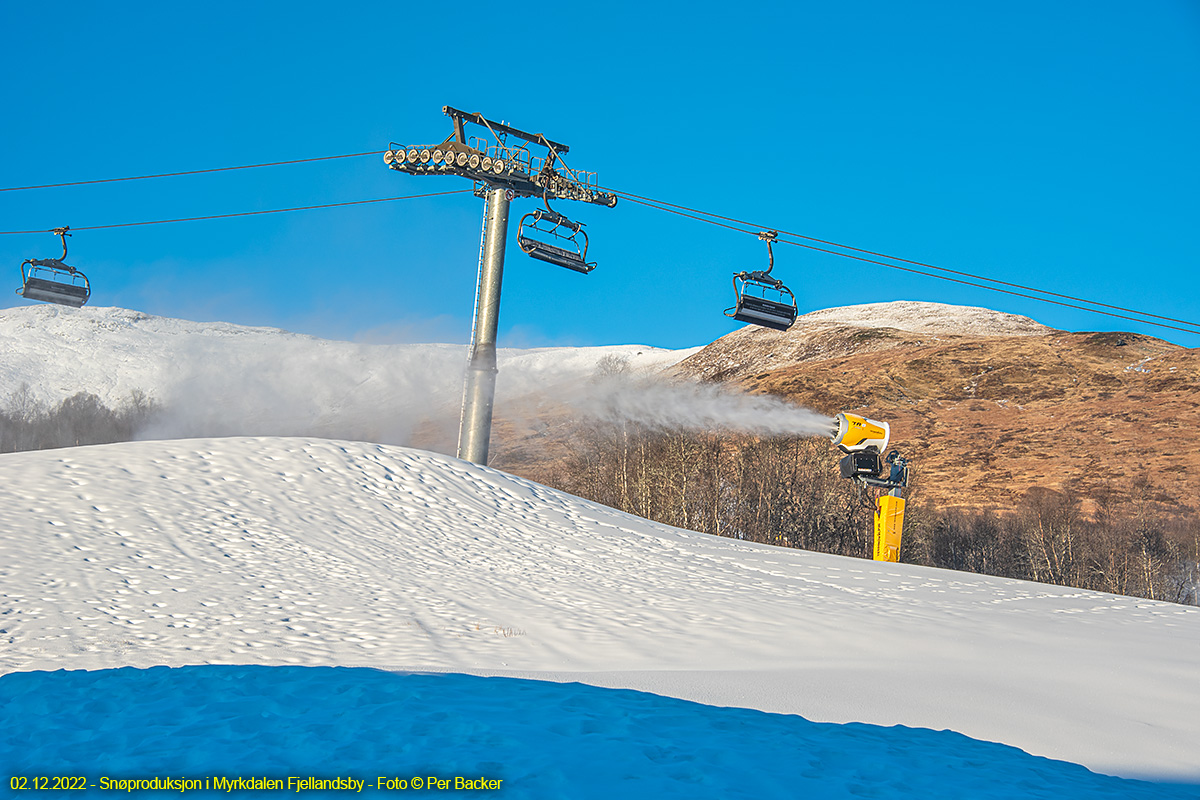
(317, 552)
(932, 318)
(543, 740)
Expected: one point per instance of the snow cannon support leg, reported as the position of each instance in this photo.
(889, 522)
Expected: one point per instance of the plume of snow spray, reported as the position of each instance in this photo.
(388, 394)
(295, 388)
(670, 405)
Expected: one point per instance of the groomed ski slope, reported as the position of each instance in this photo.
(274, 551)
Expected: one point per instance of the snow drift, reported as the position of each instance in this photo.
(317, 552)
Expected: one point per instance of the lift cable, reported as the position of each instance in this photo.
(741, 226)
(250, 213)
(1195, 330)
(746, 227)
(663, 204)
(188, 172)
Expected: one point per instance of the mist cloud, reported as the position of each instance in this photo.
(412, 394)
(660, 404)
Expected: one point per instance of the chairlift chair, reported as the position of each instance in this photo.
(567, 243)
(757, 308)
(59, 283)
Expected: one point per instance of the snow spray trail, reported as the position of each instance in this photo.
(298, 388)
(389, 394)
(660, 404)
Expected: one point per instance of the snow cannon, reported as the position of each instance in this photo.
(863, 441)
(855, 434)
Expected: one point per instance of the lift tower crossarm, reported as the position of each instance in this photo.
(492, 162)
(498, 127)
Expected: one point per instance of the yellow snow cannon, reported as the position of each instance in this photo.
(855, 434)
(881, 484)
(889, 526)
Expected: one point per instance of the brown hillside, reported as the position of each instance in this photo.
(988, 405)
(988, 417)
(835, 332)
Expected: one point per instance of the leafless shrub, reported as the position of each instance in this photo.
(28, 424)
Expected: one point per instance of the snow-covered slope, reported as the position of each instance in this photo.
(929, 318)
(318, 552)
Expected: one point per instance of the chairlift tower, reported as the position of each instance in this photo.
(504, 163)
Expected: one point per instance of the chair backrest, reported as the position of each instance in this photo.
(65, 294)
(768, 313)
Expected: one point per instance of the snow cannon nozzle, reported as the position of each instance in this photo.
(855, 434)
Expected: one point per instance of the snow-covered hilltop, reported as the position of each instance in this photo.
(838, 332)
(318, 552)
(929, 318)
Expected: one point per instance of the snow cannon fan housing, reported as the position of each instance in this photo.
(862, 440)
(855, 434)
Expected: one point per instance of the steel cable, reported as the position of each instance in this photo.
(740, 226)
(249, 213)
(1144, 317)
(188, 172)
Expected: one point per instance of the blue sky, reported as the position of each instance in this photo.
(1051, 144)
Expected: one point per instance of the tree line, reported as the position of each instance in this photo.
(784, 491)
(1130, 545)
(787, 491)
(27, 423)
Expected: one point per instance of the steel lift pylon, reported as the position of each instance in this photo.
(504, 163)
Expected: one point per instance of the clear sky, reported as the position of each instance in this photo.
(1045, 143)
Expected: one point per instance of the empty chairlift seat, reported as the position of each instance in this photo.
(49, 291)
(756, 310)
(49, 280)
(753, 304)
(549, 236)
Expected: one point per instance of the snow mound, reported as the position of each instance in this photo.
(929, 318)
(317, 553)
